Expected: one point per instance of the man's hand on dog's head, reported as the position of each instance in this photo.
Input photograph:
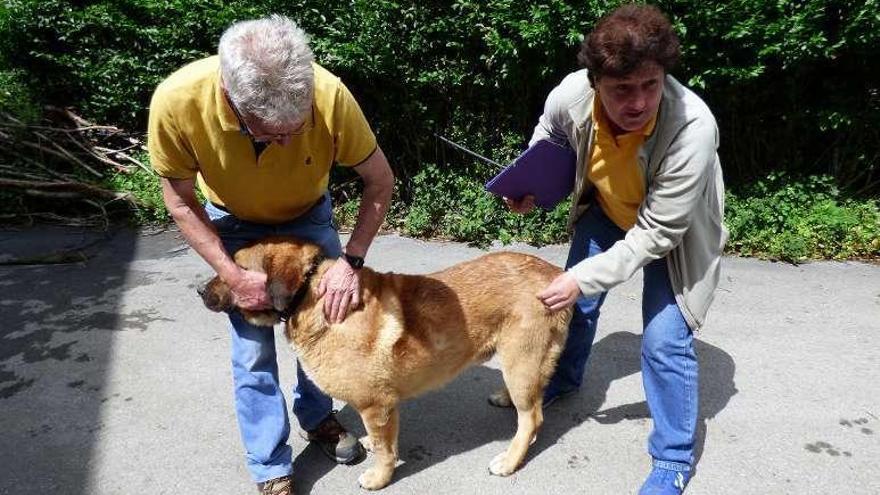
(249, 291)
(341, 286)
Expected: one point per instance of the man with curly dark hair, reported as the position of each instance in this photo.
(649, 195)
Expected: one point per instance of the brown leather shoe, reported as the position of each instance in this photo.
(336, 443)
(277, 486)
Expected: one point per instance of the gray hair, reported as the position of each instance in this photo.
(266, 66)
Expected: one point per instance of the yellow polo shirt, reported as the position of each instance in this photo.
(193, 132)
(614, 168)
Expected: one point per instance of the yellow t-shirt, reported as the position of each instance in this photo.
(614, 168)
(193, 132)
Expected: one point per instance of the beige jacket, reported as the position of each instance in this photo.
(681, 215)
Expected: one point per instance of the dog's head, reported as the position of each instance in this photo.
(216, 295)
(289, 265)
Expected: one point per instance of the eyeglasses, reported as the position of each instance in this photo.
(304, 126)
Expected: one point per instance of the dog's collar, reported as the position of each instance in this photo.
(300, 294)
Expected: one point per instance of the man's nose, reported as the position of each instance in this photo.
(640, 101)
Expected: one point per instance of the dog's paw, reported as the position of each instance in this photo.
(501, 398)
(500, 466)
(367, 442)
(375, 478)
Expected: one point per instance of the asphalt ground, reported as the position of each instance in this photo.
(115, 380)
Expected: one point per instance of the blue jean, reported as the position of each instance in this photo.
(259, 402)
(668, 360)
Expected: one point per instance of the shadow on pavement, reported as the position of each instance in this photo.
(58, 323)
(457, 418)
(617, 356)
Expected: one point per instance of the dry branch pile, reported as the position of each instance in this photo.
(64, 159)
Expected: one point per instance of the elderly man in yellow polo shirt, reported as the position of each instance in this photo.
(257, 129)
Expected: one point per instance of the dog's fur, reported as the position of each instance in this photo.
(413, 333)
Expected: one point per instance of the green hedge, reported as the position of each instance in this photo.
(793, 82)
(791, 220)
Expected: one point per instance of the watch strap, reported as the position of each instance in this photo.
(356, 262)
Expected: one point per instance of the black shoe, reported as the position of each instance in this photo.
(502, 398)
(550, 399)
(336, 443)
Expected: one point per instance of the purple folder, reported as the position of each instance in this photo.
(545, 170)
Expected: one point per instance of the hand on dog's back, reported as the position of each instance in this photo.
(340, 288)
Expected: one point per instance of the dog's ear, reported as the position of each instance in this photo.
(286, 270)
(284, 275)
(280, 293)
(216, 295)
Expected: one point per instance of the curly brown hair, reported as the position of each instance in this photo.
(624, 39)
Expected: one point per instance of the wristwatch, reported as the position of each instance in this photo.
(356, 262)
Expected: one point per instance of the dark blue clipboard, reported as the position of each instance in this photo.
(545, 170)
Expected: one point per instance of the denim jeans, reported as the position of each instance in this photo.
(668, 360)
(259, 403)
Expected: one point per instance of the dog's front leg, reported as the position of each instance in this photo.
(382, 424)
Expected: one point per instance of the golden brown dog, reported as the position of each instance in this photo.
(413, 333)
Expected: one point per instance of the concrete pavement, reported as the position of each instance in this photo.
(115, 380)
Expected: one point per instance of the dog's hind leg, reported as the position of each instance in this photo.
(528, 422)
(382, 425)
(524, 388)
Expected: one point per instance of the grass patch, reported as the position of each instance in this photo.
(796, 220)
(144, 186)
(777, 218)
